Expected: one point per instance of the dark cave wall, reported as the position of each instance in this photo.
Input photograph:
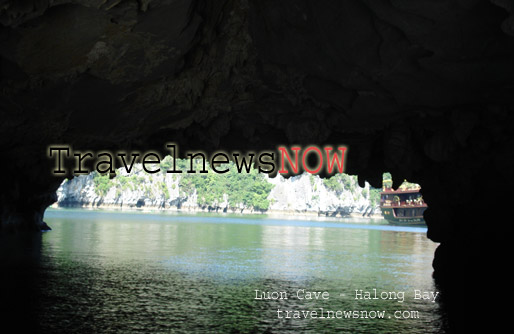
(422, 89)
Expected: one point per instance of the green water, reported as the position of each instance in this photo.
(106, 272)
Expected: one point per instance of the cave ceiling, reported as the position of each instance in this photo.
(406, 85)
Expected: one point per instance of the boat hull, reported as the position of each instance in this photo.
(390, 216)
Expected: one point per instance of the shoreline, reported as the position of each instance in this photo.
(273, 214)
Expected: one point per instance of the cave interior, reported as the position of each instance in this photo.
(423, 90)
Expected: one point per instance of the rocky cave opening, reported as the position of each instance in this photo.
(423, 90)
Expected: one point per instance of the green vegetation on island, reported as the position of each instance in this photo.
(222, 186)
(240, 190)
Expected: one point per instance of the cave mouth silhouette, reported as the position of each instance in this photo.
(421, 90)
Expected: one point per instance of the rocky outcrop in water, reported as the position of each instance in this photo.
(302, 194)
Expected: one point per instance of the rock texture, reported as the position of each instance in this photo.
(308, 194)
(422, 89)
(302, 194)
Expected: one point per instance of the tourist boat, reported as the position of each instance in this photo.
(404, 205)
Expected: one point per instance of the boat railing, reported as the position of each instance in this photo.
(399, 190)
(404, 203)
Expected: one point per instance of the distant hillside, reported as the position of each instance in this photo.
(229, 192)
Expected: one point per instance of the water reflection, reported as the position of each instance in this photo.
(116, 272)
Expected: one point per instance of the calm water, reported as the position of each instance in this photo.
(101, 272)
